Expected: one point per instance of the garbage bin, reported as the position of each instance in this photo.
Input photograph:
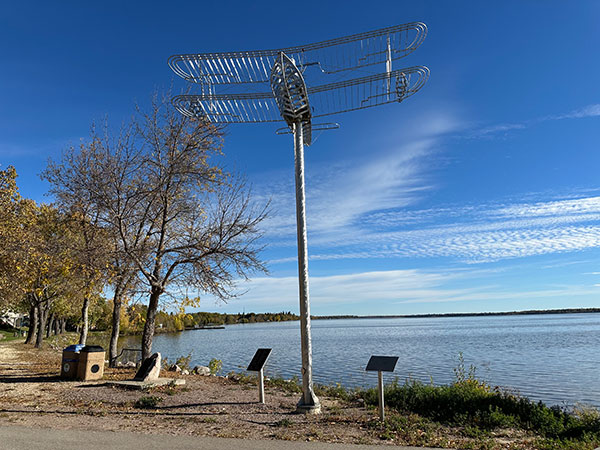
(91, 363)
(70, 360)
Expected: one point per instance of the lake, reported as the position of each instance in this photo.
(549, 357)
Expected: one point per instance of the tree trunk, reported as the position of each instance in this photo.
(33, 324)
(42, 314)
(56, 330)
(63, 326)
(116, 327)
(50, 326)
(150, 322)
(85, 320)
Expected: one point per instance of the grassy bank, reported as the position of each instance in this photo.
(481, 410)
(488, 417)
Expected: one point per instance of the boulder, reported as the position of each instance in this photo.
(201, 370)
(150, 369)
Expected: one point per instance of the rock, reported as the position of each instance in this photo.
(150, 369)
(185, 372)
(130, 364)
(201, 370)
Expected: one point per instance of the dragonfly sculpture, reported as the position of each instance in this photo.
(295, 85)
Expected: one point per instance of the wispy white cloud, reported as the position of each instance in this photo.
(366, 208)
(385, 291)
(587, 111)
(341, 194)
(592, 110)
(557, 209)
(494, 129)
(471, 234)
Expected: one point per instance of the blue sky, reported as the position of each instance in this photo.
(479, 193)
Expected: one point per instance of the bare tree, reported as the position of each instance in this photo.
(79, 184)
(174, 214)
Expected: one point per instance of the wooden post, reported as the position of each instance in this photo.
(380, 391)
(261, 387)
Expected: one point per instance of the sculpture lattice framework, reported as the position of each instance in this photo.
(324, 66)
(306, 82)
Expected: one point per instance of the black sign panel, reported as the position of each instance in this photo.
(259, 359)
(382, 363)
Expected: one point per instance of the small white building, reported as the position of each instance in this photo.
(13, 319)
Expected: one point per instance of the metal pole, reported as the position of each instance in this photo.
(261, 386)
(309, 403)
(380, 392)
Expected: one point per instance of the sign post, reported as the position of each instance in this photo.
(257, 365)
(381, 364)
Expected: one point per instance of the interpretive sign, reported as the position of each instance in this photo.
(382, 364)
(259, 360)
(257, 365)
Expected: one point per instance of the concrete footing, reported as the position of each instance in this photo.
(142, 385)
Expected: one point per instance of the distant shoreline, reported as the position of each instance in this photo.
(482, 314)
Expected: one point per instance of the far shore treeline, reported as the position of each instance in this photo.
(467, 314)
(169, 322)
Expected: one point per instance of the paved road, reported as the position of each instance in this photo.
(20, 438)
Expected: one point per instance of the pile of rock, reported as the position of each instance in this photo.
(198, 370)
(127, 364)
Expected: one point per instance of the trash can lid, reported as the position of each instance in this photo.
(92, 349)
(74, 348)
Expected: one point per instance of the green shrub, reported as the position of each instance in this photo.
(148, 402)
(292, 385)
(334, 390)
(184, 362)
(215, 366)
(470, 402)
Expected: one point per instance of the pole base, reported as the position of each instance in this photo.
(303, 408)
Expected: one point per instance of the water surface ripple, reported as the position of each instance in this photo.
(553, 358)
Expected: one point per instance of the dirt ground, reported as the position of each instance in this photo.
(32, 394)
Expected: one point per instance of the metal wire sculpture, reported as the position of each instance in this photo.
(351, 52)
(288, 71)
(333, 98)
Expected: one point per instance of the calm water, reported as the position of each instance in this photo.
(553, 358)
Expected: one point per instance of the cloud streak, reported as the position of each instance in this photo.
(592, 110)
(387, 291)
(473, 235)
(365, 208)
